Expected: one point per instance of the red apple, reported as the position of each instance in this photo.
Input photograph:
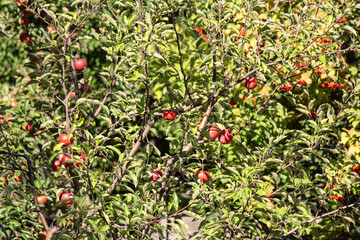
(25, 38)
(42, 199)
(169, 115)
(64, 196)
(24, 20)
(64, 138)
(156, 174)
(80, 64)
(232, 102)
(55, 165)
(4, 180)
(250, 82)
(339, 199)
(356, 169)
(225, 136)
(82, 156)
(29, 127)
(64, 159)
(85, 88)
(17, 178)
(204, 176)
(213, 131)
(13, 103)
(27, 14)
(20, 3)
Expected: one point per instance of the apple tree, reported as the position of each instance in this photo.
(119, 118)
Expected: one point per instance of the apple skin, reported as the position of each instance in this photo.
(203, 176)
(55, 165)
(356, 169)
(213, 132)
(29, 127)
(169, 115)
(339, 199)
(82, 156)
(232, 102)
(17, 178)
(19, 3)
(41, 235)
(27, 14)
(25, 38)
(156, 174)
(225, 136)
(24, 20)
(4, 180)
(250, 82)
(85, 88)
(80, 64)
(64, 159)
(63, 138)
(64, 196)
(42, 199)
(13, 103)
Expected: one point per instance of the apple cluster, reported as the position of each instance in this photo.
(66, 141)
(331, 85)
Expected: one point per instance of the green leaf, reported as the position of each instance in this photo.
(322, 58)
(104, 228)
(58, 146)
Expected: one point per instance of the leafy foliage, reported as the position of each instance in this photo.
(287, 172)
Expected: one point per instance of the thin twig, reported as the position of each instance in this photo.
(319, 217)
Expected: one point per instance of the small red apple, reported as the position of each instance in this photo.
(20, 4)
(156, 174)
(169, 115)
(24, 20)
(42, 199)
(63, 138)
(356, 169)
(4, 180)
(225, 136)
(232, 102)
(25, 38)
(64, 196)
(55, 165)
(29, 127)
(64, 159)
(82, 156)
(250, 82)
(85, 88)
(13, 103)
(339, 199)
(27, 14)
(80, 64)
(17, 178)
(203, 176)
(213, 131)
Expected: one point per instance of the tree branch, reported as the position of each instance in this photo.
(319, 217)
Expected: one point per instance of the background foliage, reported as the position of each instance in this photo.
(286, 174)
